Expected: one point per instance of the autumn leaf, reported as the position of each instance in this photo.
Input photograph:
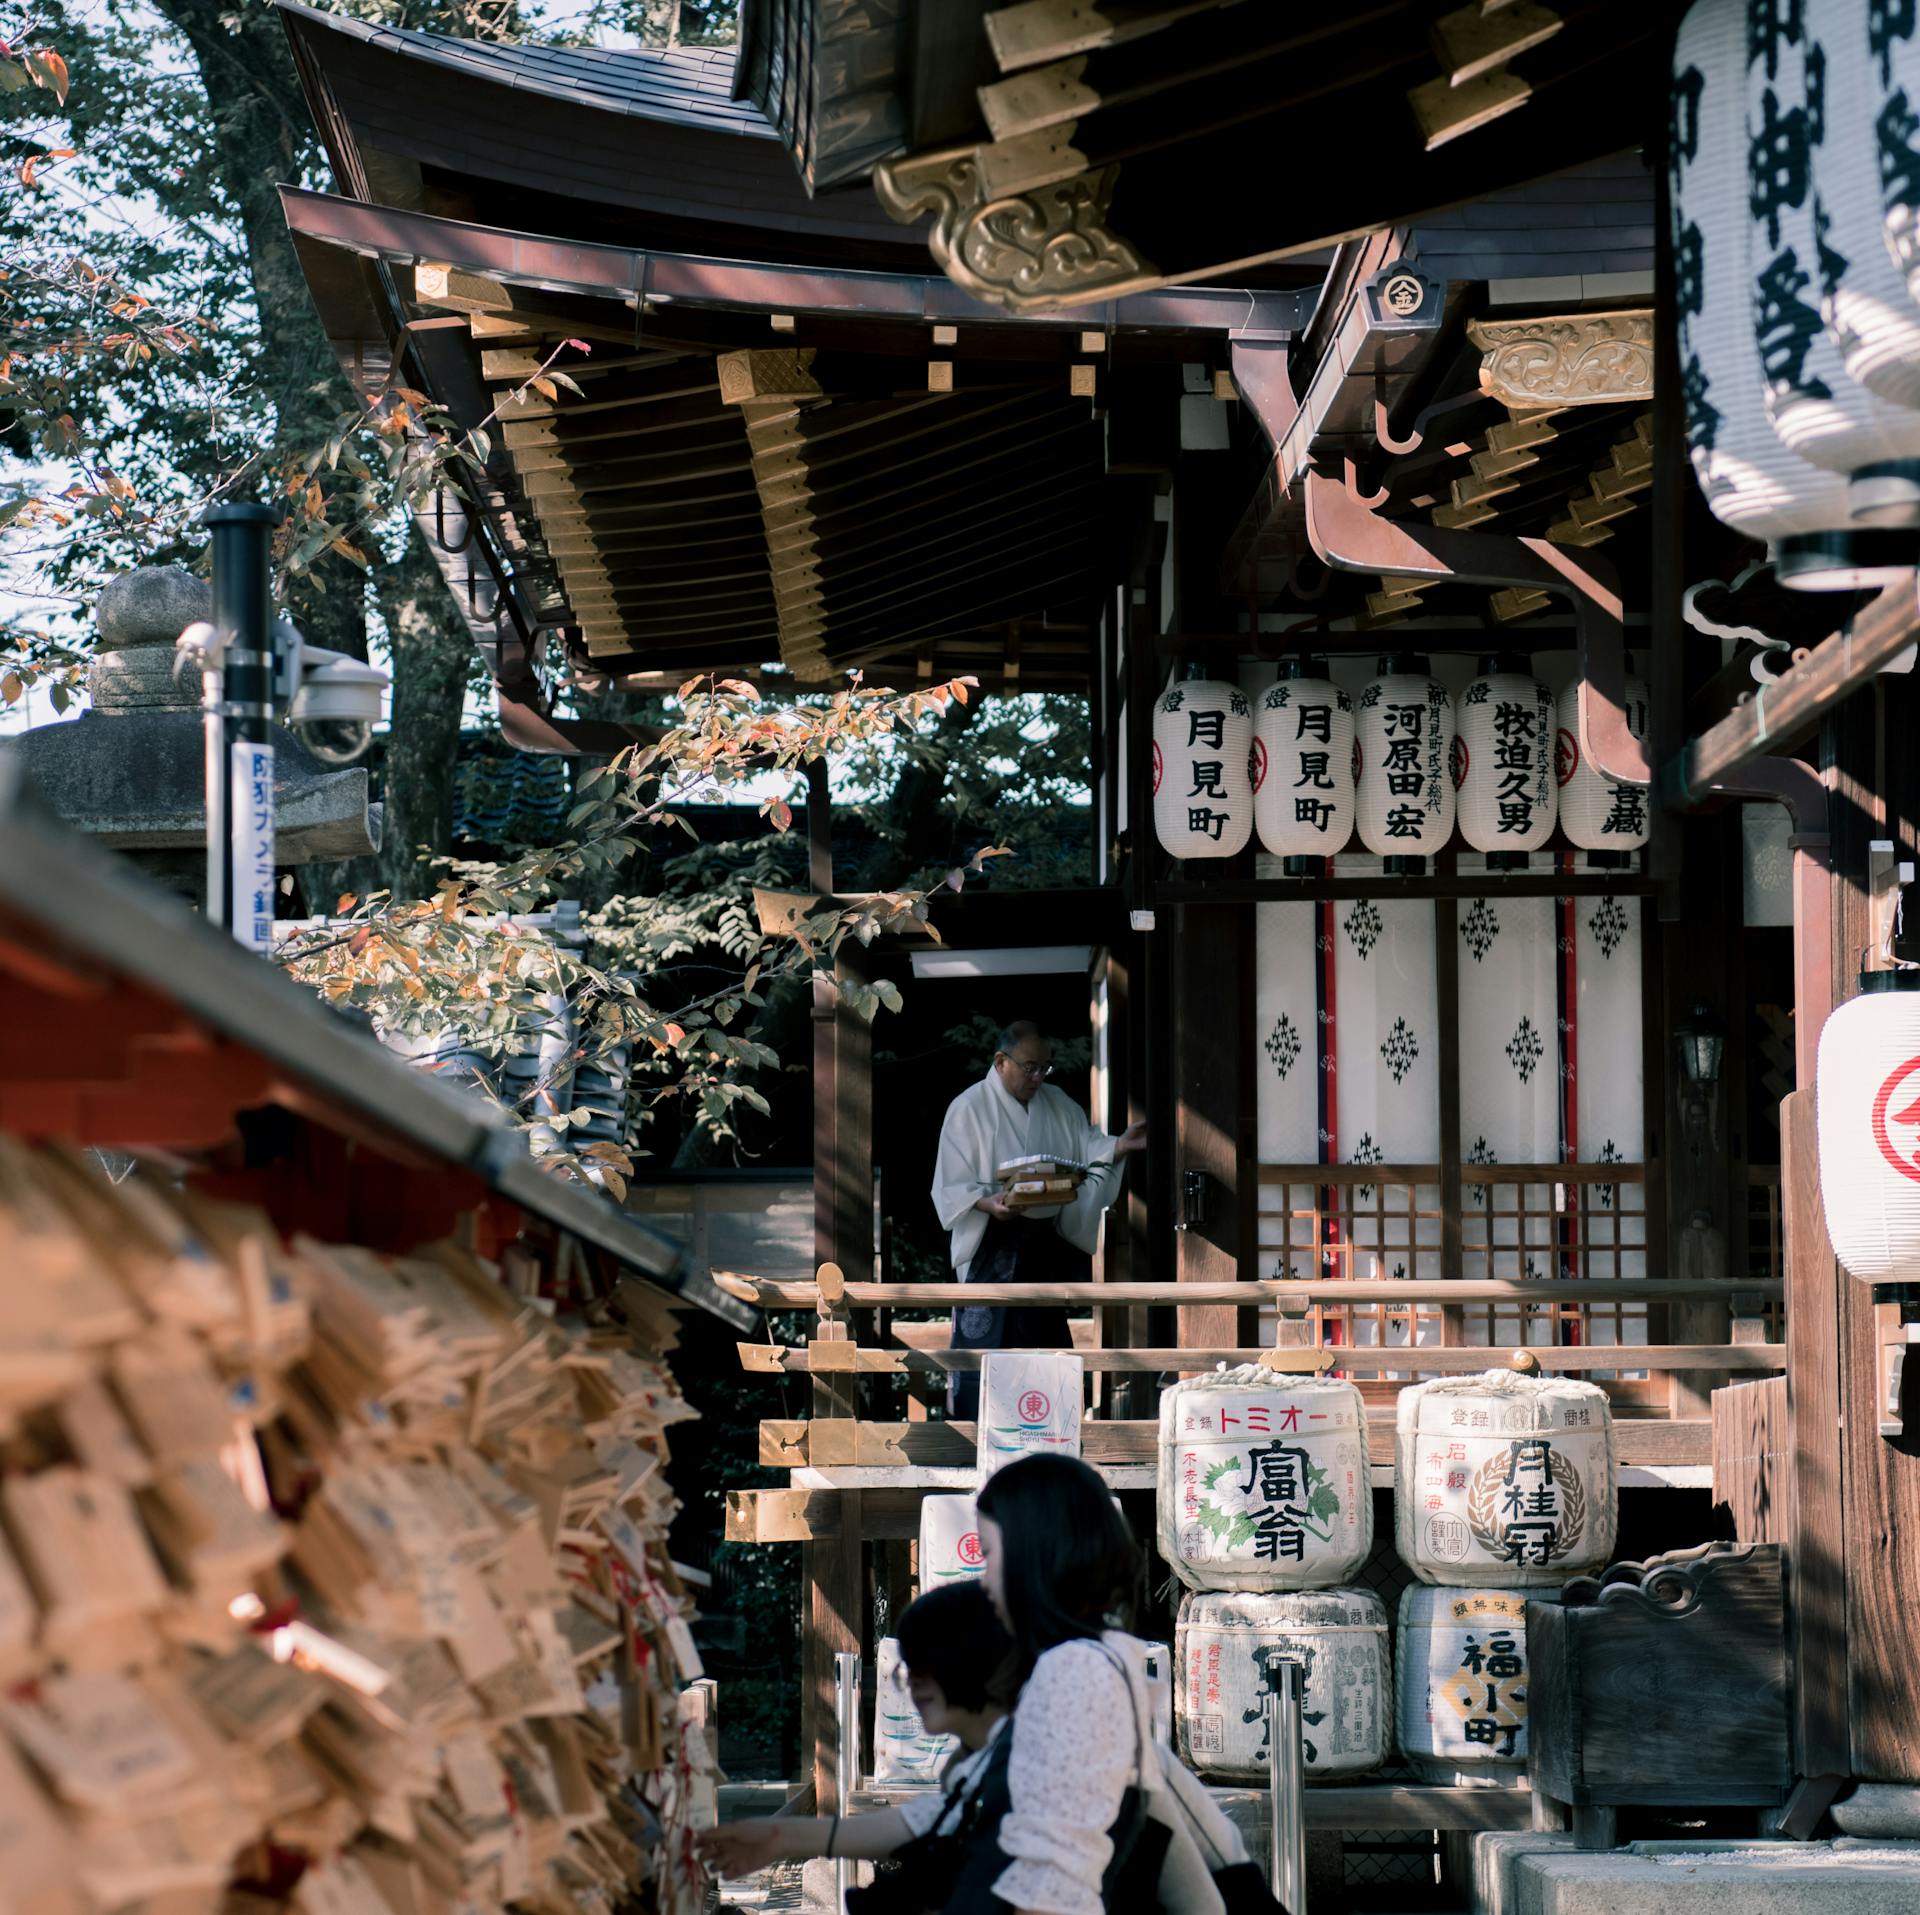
(579, 345)
(347, 901)
(48, 70)
(11, 688)
(782, 814)
(544, 387)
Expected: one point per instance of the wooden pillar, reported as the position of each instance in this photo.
(1869, 749)
(833, 1570)
(1702, 966)
(1213, 1139)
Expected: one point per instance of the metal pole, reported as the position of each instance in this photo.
(846, 1761)
(1286, 1784)
(240, 868)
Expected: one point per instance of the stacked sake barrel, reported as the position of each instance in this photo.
(1266, 1514)
(1505, 1486)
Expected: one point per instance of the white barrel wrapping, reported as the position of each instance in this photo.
(949, 1541)
(1229, 1647)
(1028, 1404)
(1263, 1480)
(902, 1749)
(1504, 1481)
(1460, 1684)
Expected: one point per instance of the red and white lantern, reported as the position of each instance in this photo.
(1405, 793)
(1867, 1108)
(1303, 767)
(1503, 764)
(1596, 813)
(1202, 768)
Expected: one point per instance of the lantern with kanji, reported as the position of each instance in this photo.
(1753, 481)
(1867, 1108)
(1503, 764)
(1597, 814)
(1202, 770)
(1795, 85)
(1405, 793)
(1303, 766)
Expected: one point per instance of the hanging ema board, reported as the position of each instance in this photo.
(1263, 1481)
(949, 1541)
(1028, 1404)
(902, 1749)
(1230, 1648)
(1504, 1481)
(1460, 1684)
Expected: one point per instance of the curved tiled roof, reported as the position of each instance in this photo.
(687, 86)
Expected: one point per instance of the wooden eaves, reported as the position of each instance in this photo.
(134, 1022)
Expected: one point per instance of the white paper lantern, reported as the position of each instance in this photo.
(1819, 411)
(1263, 1480)
(1894, 77)
(1869, 314)
(1406, 763)
(1303, 761)
(1504, 1481)
(1752, 481)
(1598, 813)
(1503, 753)
(1202, 769)
(1867, 1106)
(1460, 1683)
(1229, 1648)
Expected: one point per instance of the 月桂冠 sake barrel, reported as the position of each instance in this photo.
(903, 1751)
(1228, 1647)
(1460, 1684)
(1504, 1481)
(949, 1541)
(1263, 1480)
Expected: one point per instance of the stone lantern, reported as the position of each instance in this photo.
(131, 771)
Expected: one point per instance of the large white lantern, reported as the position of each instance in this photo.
(1753, 482)
(1895, 78)
(1868, 313)
(1503, 753)
(1867, 1106)
(1303, 762)
(1817, 408)
(1597, 813)
(1405, 791)
(1202, 770)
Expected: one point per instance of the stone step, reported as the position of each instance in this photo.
(1543, 1874)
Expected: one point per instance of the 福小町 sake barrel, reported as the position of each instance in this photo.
(1460, 1683)
(1229, 1648)
(1263, 1481)
(1504, 1481)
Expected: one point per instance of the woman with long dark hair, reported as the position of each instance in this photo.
(1061, 1568)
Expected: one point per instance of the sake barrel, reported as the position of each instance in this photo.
(1230, 1648)
(1263, 1480)
(1028, 1404)
(1504, 1481)
(902, 1749)
(1460, 1683)
(949, 1541)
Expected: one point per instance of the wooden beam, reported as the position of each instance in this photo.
(1637, 1440)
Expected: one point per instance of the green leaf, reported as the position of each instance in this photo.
(1219, 1473)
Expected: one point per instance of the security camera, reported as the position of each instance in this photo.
(336, 703)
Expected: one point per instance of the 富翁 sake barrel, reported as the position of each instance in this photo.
(1028, 1404)
(1230, 1646)
(903, 1751)
(1460, 1683)
(1263, 1480)
(1504, 1481)
(949, 1541)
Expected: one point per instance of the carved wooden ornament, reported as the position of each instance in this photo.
(1566, 359)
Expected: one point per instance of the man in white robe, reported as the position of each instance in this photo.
(1014, 1112)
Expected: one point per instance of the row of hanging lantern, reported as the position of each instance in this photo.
(1400, 763)
(1796, 233)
